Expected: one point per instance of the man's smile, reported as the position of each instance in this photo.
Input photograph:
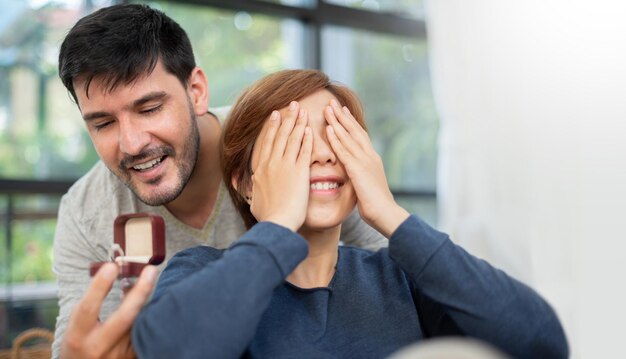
(148, 164)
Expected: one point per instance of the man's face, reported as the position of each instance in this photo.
(145, 132)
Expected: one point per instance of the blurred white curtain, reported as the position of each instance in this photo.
(532, 154)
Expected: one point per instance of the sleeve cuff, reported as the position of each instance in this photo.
(286, 247)
(414, 243)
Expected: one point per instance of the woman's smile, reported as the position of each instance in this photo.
(326, 185)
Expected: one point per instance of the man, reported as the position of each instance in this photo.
(132, 73)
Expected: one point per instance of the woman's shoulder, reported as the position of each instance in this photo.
(183, 264)
(199, 253)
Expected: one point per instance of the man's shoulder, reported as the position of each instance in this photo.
(95, 192)
(221, 113)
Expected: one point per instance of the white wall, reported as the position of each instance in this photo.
(532, 167)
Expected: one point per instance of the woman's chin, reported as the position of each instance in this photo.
(323, 221)
(318, 226)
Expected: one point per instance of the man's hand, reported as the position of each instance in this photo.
(86, 337)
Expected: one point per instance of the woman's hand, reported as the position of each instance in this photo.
(280, 183)
(364, 167)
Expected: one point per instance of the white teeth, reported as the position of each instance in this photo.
(149, 164)
(324, 185)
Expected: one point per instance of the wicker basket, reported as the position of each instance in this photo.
(42, 350)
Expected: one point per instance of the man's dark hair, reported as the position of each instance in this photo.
(120, 43)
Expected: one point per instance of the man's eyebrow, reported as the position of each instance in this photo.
(151, 96)
(94, 115)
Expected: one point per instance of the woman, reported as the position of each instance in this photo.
(287, 289)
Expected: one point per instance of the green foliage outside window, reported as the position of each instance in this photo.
(31, 259)
(233, 48)
(42, 134)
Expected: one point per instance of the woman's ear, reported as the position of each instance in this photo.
(198, 90)
(247, 195)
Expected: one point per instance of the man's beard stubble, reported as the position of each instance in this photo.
(185, 166)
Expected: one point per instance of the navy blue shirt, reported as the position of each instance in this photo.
(214, 304)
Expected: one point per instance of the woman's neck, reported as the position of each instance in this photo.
(318, 268)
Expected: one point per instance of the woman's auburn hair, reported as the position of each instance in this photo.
(253, 108)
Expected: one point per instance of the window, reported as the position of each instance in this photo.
(41, 137)
(235, 48)
(407, 8)
(41, 133)
(377, 47)
(390, 74)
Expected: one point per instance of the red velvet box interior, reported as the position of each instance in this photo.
(141, 236)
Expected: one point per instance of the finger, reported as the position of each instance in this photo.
(114, 328)
(349, 144)
(294, 144)
(122, 319)
(306, 150)
(269, 134)
(285, 129)
(85, 315)
(342, 153)
(356, 131)
(346, 119)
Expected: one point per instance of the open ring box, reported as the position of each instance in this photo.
(139, 240)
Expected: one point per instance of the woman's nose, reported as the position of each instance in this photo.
(322, 151)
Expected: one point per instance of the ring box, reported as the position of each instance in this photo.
(139, 240)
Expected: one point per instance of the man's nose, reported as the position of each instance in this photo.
(133, 137)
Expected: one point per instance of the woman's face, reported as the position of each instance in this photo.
(331, 195)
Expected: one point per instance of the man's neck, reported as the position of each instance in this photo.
(198, 199)
(318, 268)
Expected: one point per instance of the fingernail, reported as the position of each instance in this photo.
(330, 129)
(150, 274)
(274, 115)
(293, 105)
(334, 102)
(109, 271)
(301, 114)
(346, 110)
